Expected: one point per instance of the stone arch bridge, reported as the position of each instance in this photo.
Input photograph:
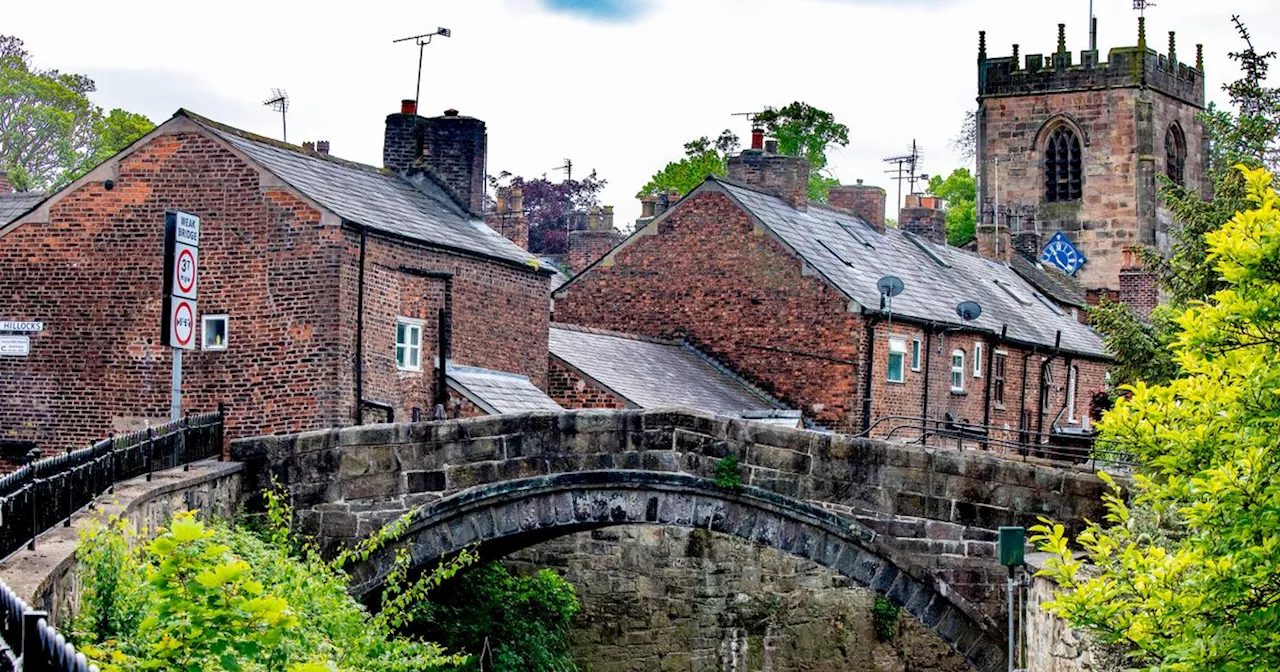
(915, 524)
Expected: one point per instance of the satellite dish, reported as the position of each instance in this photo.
(889, 286)
(969, 310)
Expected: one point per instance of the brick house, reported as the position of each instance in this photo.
(596, 368)
(1076, 147)
(784, 292)
(324, 277)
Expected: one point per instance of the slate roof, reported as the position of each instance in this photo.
(498, 392)
(650, 372)
(371, 196)
(1055, 284)
(852, 256)
(13, 205)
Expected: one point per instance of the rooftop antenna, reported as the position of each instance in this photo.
(279, 101)
(422, 41)
(567, 167)
(907, 165)
(757, 131)
(1142, 5)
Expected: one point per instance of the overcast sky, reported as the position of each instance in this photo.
(615, 85)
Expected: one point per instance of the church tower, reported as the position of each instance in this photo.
(1068, 153)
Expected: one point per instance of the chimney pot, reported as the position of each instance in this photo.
(771, 146)
(408, 106)
(451, 112)
(309, 146)
(648, 206)
(607, 224)
(322, 146)
(517, 201)
(757, 138)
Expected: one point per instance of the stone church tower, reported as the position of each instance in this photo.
(1075, 147)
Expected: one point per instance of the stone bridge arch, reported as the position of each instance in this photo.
(935, 510)
(516, 514)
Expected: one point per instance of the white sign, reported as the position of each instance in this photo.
(187, 229)
(15, 346)
(185, 270)
(182, 323)
(21, 326)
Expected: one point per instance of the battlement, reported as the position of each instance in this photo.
(1125, 67)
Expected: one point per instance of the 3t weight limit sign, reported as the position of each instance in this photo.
(185, 270)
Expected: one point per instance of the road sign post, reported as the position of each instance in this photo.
(181, 284)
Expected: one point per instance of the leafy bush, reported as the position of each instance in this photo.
(727, 474)
(884, 617)
(512, 623)
(216, 597)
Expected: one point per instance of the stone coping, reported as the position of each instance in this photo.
(32, 574)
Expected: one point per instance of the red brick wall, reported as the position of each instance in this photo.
(569, 390)
(92, 274)
(738, 295)
(585, 247)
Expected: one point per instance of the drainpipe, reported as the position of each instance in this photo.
(1057, 342)
(928, 356)
(359, 364)
(991, 356)
(868, 377)
(442, 353)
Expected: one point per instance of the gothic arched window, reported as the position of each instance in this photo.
(1175, 154)
(1062, 172)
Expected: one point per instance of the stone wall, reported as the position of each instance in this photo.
(669, 598)
(45, 577)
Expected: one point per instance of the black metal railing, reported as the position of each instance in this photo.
(1076, 448)
(47, 492)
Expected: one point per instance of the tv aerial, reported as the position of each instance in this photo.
(279, 101)
(1141, 6)
(422, 41)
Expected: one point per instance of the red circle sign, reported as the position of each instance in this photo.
(186, 271)
(184, 323)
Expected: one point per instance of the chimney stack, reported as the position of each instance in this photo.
(1138, 287)
(864, 201)
(508, 217)
(786, 177)
(588, 245)
(5, 186)
(451, 146)
(402, 142)
(922, 216)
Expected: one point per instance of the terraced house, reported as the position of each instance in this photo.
(786, 293)
(322, 283)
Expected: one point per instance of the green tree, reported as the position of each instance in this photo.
(960, 191)
(509, 623)
(1246, 135)
(799, 128)
(50, 132)
(702, 157)
(1187, 577)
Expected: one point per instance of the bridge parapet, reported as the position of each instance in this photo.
(937, 509)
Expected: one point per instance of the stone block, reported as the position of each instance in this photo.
(781, 459)
(468, 475)
(943, 531)
(425, 481)
(371, 486)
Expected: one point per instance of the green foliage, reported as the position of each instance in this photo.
(727, 473)
(800, 129)
(511, 623)
(702, 157)
(215, 597)
(884, 617)
(960, 191)
(1141, 349)
(1187, 576)
(50, 132)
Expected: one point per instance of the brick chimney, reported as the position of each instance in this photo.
(402, 142)
(864, 201)
(454, 148)
(586, 246)
(922, 216)
(1138, 287)
(5, 186)
(786, 177)
(508, 217)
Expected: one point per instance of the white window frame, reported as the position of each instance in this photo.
(977, 360)
(1072, 375)
(897, 348)
(411, 325)
(204, 329)
(915, 354)
(957, 371)
(1046, 384)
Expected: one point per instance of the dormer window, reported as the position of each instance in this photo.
(1063, 176)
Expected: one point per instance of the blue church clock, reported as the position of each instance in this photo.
(1061, 253)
